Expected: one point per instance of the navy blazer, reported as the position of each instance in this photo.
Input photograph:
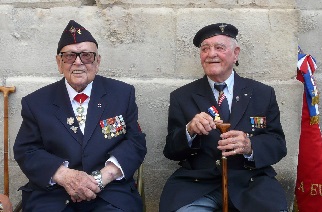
(45, 140)
(251, 184)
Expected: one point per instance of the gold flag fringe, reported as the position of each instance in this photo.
(315, 100)
(314, 120)
(295, 207)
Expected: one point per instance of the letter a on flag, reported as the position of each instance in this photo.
(308, 190)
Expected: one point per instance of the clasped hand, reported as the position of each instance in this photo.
(234, 142)
(78, 184)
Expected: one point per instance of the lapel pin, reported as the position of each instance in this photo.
(99, 105)
(70, 120)
(74, 128)
(237, 98)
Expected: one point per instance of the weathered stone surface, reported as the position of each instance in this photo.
(149, 44)
(44, 3)
(203, 3)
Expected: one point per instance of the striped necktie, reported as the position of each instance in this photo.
(222, 102)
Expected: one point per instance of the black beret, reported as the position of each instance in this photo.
(213, 30)
(74, 33)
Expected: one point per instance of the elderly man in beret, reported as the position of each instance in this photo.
(253, 144)
(79, 143)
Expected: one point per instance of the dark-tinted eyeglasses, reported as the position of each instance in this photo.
(85, 57)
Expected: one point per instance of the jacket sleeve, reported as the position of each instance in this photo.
(29, 151)
(177, 147)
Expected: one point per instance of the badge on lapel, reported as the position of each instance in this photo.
(70, 122)
(214, 112)
(113, 127)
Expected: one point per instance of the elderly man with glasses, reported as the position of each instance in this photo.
(79, 143)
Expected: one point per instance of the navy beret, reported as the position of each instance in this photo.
(213, 30)
(74, 33)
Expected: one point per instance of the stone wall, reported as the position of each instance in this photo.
(148, 43)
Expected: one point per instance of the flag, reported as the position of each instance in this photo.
(308, 189)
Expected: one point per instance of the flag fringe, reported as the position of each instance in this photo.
(315, 100)
(295, 207)
(314, 120)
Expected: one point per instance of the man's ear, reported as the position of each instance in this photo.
(59, 61)
(236, 52)
(98, 63)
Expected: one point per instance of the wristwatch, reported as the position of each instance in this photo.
(98, 177)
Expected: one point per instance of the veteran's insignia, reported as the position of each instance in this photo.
(258, 122)
(214, 112)
(113, 127)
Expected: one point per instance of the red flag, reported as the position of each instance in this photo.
(308, 188)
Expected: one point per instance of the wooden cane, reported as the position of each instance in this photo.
(224, 127)
(6, 91)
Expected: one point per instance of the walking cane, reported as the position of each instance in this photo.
(224, 127)
(6, 91)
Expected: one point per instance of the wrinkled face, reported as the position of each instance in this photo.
(218, 55)
(79, 64)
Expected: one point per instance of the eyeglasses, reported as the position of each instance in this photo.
(85, 57)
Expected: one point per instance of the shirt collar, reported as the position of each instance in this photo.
(72, 93)
(229, 82)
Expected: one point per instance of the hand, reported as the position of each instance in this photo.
(236, 142)
(78, 184)
(202, 124)
(109, 173)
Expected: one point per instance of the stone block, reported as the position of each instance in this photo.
(308, 5)
(42, 3)
(138, 42)
(290, 4)
(310, 31)
(31, 36)
(167, 3)
(267, 39)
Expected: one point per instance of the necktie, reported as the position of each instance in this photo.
(80, 98)
(222, 102)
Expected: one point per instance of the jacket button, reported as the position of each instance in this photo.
(218, 162)
(196, 180)
(67, 202)
(251, 179)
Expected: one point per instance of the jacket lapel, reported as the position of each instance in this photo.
(204, 97)
(240, 101)
(65, 111)
(97, 105)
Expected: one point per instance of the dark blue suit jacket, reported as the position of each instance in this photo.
(45, 140)
(252, 185)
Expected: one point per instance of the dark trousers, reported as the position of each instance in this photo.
(96, 205)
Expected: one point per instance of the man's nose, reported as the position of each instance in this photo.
(78, 60)
(212, 52)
